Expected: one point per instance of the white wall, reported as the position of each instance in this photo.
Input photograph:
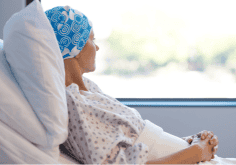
(7, 9)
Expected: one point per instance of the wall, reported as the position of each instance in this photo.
(7, 9)
(185, 121)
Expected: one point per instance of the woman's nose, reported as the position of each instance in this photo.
(97, 48)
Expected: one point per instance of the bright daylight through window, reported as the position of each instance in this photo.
(162, 48)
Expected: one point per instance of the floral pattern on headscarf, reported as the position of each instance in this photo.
(72, 29)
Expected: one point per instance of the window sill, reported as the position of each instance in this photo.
(178, 102)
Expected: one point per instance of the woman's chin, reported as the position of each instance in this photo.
(94, 68)
(90, 70)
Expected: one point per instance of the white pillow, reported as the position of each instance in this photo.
(15, 111)
(36, 62)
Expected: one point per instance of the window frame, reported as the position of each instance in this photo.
(178, 102)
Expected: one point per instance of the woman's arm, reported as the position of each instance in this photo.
(190, 155)
(200, 150)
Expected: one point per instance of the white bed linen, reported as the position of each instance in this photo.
(32, 51)
(161, 144)
(15, 111)
(15, 149)
(64, 159)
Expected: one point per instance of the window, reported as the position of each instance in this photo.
(162, 49)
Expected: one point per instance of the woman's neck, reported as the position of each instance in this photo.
(74, 74)
(77, 80)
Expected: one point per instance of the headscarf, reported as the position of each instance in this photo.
(72, 29)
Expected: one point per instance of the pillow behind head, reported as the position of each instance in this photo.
(36, 62)
(15, 111)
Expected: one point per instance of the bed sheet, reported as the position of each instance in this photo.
(15, 149)
(64, 159)
(220, 161)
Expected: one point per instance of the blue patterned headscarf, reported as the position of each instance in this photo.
(72, 29)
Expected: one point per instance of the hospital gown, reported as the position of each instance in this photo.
(101, 129)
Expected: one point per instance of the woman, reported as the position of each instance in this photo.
(101, 129)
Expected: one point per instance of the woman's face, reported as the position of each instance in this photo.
(86, 58)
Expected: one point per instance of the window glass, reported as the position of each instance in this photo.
(162, 48)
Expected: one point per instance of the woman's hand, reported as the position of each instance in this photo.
(205, 147)
(199, 151)
(203, 135)
(188, 139)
